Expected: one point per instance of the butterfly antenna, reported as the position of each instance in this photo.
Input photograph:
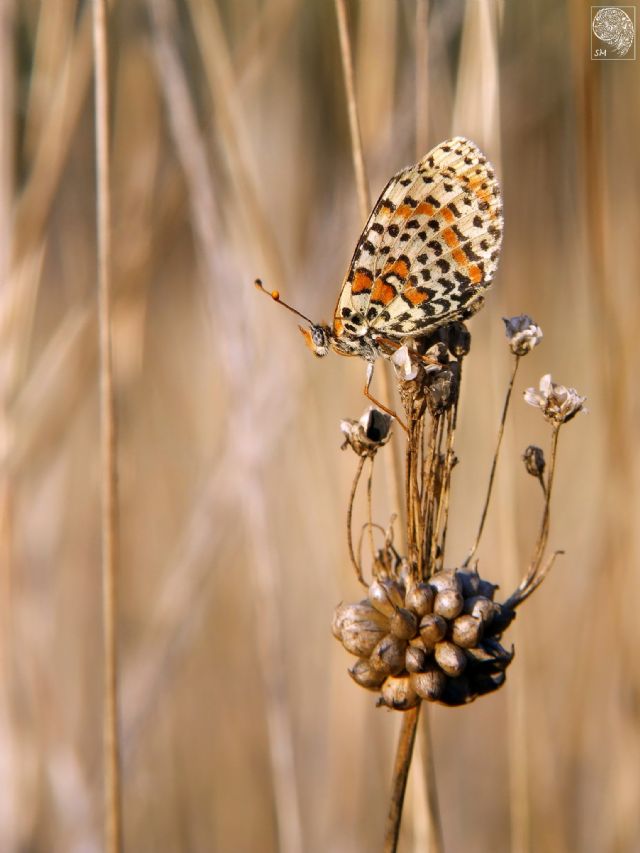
(275, 295)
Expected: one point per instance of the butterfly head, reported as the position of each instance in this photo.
(317, 338)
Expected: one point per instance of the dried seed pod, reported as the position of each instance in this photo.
(366, 676)
(385, 596)
(419, 598)
(415, 659)
(430, 684)
(361, 638)
(398, 693)
(448, 603)
(433, 628)
(404, 624)
(480, 607)
(350, 614)
(389, 655)
(466, 631)
(446, 579)
(450, 658)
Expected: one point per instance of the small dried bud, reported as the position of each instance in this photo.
(366, 676)
(415, 659)
(361, 638)
(362, 612)
(446, 579)
(433, 628)
(557, 403)
(457, 338)
(406, 369)
(398, 693)
(442, 389)
(466, 631)
(388, 655)
(404, 624)
(450, 658)
(369, 434)
(481, 608)
(503, 617)
(386, 596)
(523, 334)
(534, 460)
(430, 684)
(448, 603)
(419, 598)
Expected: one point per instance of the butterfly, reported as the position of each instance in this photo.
(426, 257)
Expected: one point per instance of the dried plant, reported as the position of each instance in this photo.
(426, 631)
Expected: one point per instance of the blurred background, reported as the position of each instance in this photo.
(231, 159)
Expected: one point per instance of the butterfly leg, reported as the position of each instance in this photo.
(380, 405)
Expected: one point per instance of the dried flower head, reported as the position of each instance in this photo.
(557, 403)
(523, 334)
(367, 435)
(534, 460)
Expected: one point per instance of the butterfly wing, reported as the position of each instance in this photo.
(430, 247)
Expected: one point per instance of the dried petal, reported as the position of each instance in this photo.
(369, 434)
(523, 334)
(557, 403)
(405, 368)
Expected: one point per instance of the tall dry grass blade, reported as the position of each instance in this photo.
(108, 442)
(192, 154)
(393, 465)
(422, 77)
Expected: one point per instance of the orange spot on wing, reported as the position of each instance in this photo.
(404, 211)
(459, 257)
(382, 292)
(448, 215)
(426, 208)
(414, 296)
(361, 283)
(338, 326)
(450, 238)
(475, 274)
(399, 267)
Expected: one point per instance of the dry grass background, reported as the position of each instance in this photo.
(231, 159)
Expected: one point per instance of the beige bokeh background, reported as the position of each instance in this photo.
(231, 159)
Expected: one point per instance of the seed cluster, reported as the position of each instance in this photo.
(435, 640)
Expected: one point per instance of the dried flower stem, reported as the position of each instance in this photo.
(400, 776)
(494, 464)
(111, 739)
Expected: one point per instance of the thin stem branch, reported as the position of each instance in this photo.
(535, 575)
(494, 464)
(400, 776)
(108, 441)
(352, 497)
